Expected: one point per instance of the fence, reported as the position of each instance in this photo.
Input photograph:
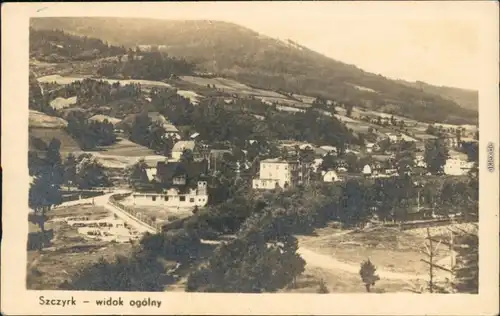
(148, 220)
(81, 194)
(434, 222)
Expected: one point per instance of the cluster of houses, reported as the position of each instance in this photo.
(174, 183)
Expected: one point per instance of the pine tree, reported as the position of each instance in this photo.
(367, 273)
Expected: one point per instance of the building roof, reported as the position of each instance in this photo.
(329, 148)
(278, 160)
(183, 145)
(367, 169)
(165, 172)
(381, 158)
(101, 118)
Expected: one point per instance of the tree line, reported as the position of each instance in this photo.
(93, 92)
(149, 65)
(58, 46)
(235, 123)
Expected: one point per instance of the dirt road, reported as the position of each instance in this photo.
(326, 262)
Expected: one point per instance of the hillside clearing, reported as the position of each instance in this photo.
(42, 120)
(68, 144)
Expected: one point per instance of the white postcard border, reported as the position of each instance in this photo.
(17, 300)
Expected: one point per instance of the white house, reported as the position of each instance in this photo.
(306, 146)
(172, 198)
(330, 176)
(457, 167)
(367, 170)
(369, 147)
(276, 172)
(393, 137)
(420, 162)
(179, 148)
(316, 164)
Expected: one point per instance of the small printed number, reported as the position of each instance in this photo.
(491, 157)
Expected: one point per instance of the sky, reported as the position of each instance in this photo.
(434, 42)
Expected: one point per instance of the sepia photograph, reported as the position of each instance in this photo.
(203, 150)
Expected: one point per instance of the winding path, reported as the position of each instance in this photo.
(328, 263)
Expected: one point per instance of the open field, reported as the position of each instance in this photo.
(69, 250)
(123, 154)
(42, 120)
(389, 249)
(124, 147)
(341, 282)
(232, 86)
(63, 80)
(191, 95)
(68, 144)
(334, 256)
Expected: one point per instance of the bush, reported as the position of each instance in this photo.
(322, 288)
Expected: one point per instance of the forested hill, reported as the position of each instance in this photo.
(468, 99)
(255, 59)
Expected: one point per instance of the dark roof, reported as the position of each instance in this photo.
(166, 171)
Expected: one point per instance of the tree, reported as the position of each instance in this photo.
(405, 157)
(45, 190)
(329, 163)
(168, 145)
(458, 135)
(187, 156)
(322, 288)
(70, 169)
(471, 150)
(435, 156)
(367, 273)
(180, 244)
(466, 270)
(249, 265)
(157, 137)
(354, 210)
(90, 173)
(349, 107)
(137, 173)
(136, 273)
(140, 131)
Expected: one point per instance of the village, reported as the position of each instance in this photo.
(129, 164)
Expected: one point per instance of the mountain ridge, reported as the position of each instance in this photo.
(231, 50)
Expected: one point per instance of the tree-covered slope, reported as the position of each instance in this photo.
(252, 58)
